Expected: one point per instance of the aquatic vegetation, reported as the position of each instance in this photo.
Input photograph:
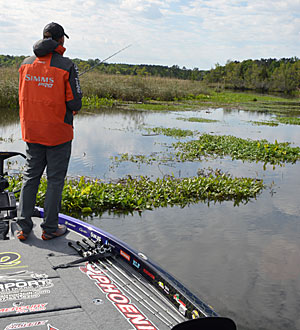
(237, 148)
(174, 132)
(279, 120)
(220, 146)
(136, 194)
(198, 120)
(95, 102)
(289, 120)
(161, 106)
(266, 123)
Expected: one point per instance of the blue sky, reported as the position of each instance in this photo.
(197, 33)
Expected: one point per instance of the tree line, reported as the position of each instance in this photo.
(119, 68)
(264, 75)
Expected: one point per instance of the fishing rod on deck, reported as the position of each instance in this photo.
(92, 67)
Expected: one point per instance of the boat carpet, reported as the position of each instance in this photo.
(103, 295)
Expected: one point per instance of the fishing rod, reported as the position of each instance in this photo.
(92, 67)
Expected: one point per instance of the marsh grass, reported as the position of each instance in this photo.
(139, 88)
(103, 90)
(9, 86)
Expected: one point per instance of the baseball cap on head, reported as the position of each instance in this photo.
(54, 30)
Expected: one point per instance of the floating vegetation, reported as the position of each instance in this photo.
(266, 123)
(289, 120)
(279, 120)
(237, 148)
(198, 120)
(220, 146)
(137, 194)
(174, 132)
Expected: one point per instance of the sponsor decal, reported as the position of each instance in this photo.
(182, 306)
(77, 83)
(125, 255)
(42, 80)
(24, 309)
(95, 236)
(19, 276)
(148, 273)
(130, 312)
(16, 289)
(136, 264)
(9, 259)
(164, 287)
(195, 314)
(22, 325)
(70, 224)
(82, 230)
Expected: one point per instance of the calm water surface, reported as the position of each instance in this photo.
(244, 261)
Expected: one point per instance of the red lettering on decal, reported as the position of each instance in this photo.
(138, 319)
(109, 288)
(118, 298)
(148, 273)
(127, 308)
(100, 278)
(122, 303)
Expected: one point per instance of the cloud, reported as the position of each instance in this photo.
(187, 33)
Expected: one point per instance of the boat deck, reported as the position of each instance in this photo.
(104, 295)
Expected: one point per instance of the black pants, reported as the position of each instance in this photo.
(56, 160)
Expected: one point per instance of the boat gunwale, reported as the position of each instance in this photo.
(151, 271)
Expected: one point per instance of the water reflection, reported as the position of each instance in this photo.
(242, 260)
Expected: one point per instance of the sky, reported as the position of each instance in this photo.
(191, 34)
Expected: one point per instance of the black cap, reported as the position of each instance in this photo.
(55, 30)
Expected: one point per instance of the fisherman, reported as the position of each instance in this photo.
(49, 97)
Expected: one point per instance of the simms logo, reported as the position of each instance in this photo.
(42, 81)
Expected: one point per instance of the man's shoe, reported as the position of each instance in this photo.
(61, 230)
(21, 235)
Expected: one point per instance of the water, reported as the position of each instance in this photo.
(244, 261)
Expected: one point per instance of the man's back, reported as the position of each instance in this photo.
(49, 92)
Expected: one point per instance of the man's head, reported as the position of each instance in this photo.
(54, 31)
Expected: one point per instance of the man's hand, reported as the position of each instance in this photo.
(75, 113)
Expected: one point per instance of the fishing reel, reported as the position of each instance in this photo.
(90, 250)
(8, 204)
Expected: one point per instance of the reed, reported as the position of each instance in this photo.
(139, 88)
(9, 85)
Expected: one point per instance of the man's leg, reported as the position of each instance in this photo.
(34, 168)
(57, 165)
